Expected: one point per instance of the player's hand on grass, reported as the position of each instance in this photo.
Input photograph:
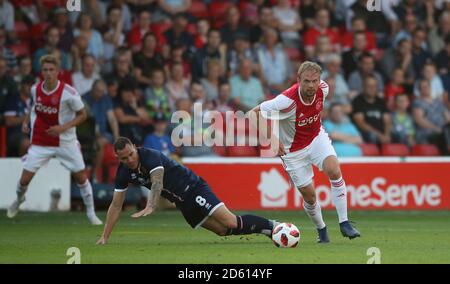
(55, 130)
(102, 241)
(143, 213)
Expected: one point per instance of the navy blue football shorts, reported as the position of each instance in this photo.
(199, 204)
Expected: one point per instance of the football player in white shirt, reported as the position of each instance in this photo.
(303, 142)
(57, 109)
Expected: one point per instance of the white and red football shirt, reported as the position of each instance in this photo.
(300, 123)
(56, 107)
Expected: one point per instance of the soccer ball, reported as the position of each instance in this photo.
(286, 235)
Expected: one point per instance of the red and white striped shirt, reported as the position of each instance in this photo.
(300, 123)
(53, 108)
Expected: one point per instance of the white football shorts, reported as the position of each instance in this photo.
(298, 164)
(68, 154)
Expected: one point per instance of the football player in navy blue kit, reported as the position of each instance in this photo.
(190, 193)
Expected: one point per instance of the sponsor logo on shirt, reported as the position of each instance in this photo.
(45, 109)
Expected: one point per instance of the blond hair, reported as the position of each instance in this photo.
(49, 58)
(308, 66)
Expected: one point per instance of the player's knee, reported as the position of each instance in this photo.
(310, 199)
(334, 173)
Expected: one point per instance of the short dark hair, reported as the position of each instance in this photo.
(121, 143)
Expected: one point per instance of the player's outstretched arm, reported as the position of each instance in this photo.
(113, 215)
(156, 176)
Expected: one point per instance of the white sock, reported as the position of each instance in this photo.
(21, 190)
(339, 195)
(88, 198)
(315, 214)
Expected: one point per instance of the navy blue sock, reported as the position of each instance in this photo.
(251, 224)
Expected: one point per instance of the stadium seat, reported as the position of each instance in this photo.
(370, 150)
(394, 150)
(199, 10)
(242, 151)
(425, 150)
(2, 141)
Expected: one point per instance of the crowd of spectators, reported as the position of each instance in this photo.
(135, 62)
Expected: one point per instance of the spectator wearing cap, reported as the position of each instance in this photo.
(159, 140)
(17, 107)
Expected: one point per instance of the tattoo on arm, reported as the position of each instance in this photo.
(156, 176)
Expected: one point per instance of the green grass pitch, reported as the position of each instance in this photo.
(164, 237)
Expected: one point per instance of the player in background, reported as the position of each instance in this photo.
(56, 110)
(191, 194)
(303, 142)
